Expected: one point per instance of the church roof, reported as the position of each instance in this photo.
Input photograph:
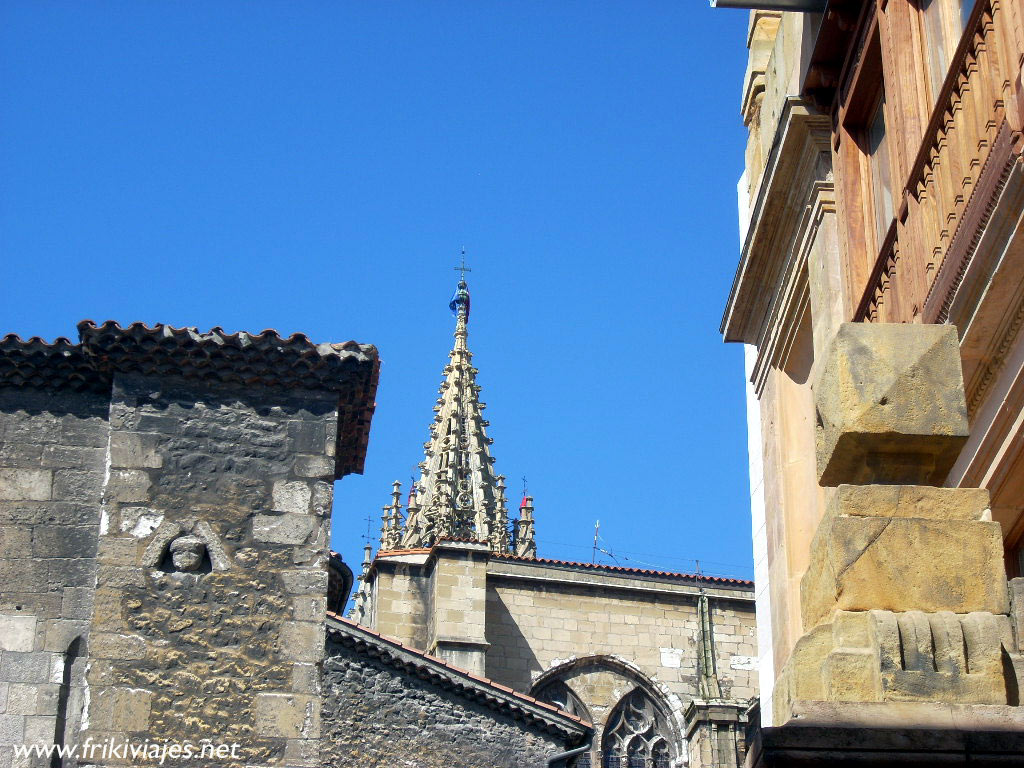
(576, 565)
(481, 689)
(243, 359)
(624, 569)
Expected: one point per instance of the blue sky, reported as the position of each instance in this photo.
(317, 166)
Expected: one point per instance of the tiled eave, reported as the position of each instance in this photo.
(491, 694)
(215, 357)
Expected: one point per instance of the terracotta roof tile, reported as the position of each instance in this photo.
(623, 569)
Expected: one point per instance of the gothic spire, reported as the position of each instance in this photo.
(458, 494)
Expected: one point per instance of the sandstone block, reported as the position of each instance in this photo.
(871, 539)
(288, 715)
(25, 484)
(121, 709)
(128, 485)
(110, 645)
(135, 450)
(292, 496)
(305, 582)
(302, 641)
(314, 466)
(912, 656)
(17, 633)
(891, 405)
(283, 529)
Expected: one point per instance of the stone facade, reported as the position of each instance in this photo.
(164, 507)
(52, 463)
(879, 208)
(581, 636)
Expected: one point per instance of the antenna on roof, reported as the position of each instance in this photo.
(593, 556)
(525, 490)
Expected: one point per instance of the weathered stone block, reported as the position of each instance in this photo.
(128, 485)
(291, 715)
(305, 582)
(891, 405)
(25, 484)
(314, 466)
(913, 656)
(135, 450)
(22, 698)
(120, 709)
(283, 529)
(77, 485)
(15, 541)
(864, 542)
(292, 497)
(302, 641)
(40, 729)
(17, 633)
(109, 645)
(24, 667)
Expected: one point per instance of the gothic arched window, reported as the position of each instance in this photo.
(561, 695)
(636, 735)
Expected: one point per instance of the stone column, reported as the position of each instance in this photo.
(459, 596)
(905, 597)
(715, 733)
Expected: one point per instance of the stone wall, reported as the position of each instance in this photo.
(535, 623)
(227, 651)
(52, 457)
(375, 715)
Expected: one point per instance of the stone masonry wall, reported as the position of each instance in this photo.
(230, 652)
(402, 605)
(52, 459)
(375, 715)
(535, 625)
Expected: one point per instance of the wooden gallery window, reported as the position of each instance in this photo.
(865, 122)
(877, 142)
(944, 22)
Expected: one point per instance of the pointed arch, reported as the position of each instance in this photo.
(642, 701)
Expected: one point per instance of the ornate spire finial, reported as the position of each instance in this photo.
(458, 493)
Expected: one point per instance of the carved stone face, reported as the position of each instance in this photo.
(187, 552)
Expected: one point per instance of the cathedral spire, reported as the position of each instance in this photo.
(458, 494)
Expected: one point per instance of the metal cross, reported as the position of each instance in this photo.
(462, 269)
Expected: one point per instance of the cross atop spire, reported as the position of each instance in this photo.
(462, 269)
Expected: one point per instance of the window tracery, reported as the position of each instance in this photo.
(636, 735)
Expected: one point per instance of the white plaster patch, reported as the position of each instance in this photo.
(742, 662)
(140, 522)
(672, 657)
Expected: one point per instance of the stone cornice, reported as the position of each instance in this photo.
(798, 165)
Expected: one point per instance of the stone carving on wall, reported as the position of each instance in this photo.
(184, 547)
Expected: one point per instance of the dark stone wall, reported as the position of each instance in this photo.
(228, 652)
(52, 460)
(376, 715)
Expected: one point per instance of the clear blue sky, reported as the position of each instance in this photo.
(316, 167)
